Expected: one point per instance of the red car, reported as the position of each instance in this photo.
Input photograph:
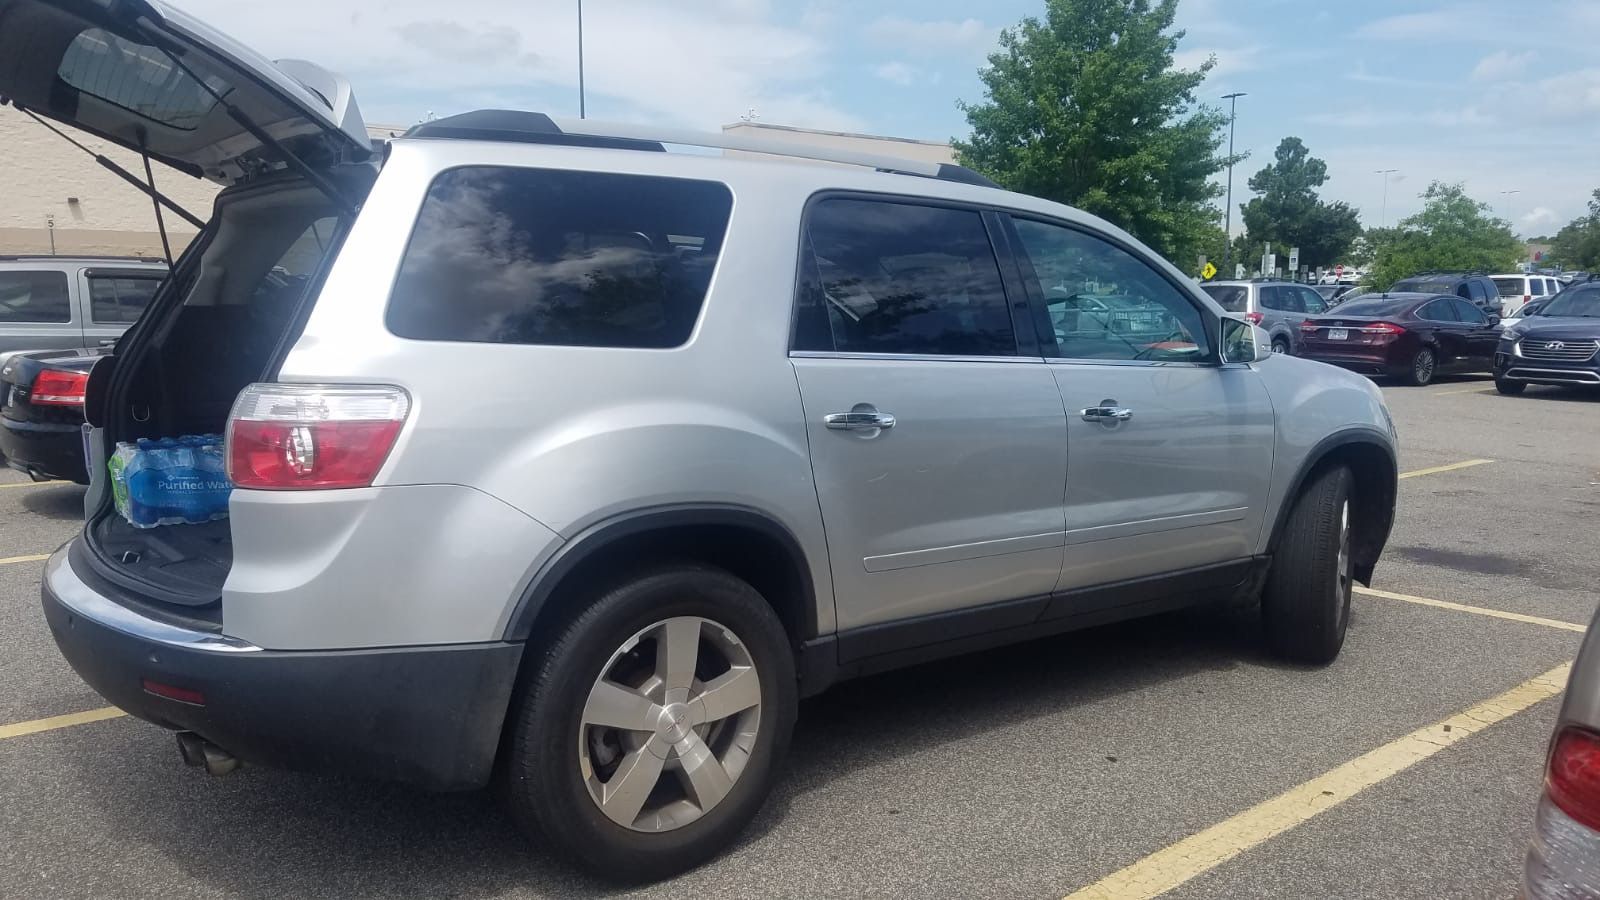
(1414, 337)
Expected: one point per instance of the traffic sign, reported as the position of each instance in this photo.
(1209, 272)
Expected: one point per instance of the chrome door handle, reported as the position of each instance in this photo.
(858, 421)
(1106, 414)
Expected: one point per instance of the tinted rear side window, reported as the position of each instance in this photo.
(1510, 287)
(1230, 297)
(117, 299)
(539, 256)
(34, 297)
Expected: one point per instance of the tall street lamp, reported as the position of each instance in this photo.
(1383, 220)
(581, 109)
(1227, 229)
(1508, 195)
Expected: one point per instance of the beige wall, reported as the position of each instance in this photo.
(39, 172)
(904, 148)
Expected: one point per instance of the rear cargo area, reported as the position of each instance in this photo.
(244, 298)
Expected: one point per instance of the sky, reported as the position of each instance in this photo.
(1501, 96)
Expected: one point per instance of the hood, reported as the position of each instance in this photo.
(1559, 328)
(146, 76)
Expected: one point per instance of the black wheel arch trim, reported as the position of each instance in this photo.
(1372, 547)
(598, 536)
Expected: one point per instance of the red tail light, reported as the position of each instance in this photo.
(58, 387)
(1253, 318)
(1572, 780)
(312, 437)
(1309, 327)
(1384, 328)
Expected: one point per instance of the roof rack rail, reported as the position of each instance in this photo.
(538, 128)
(47, 257)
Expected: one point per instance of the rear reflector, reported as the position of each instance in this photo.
(312, 437)
(173, 692)
(1572, 780)
(59, 387)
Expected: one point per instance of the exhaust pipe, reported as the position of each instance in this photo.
(197, 751)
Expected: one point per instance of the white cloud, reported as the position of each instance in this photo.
(1538, 217)
(1572, 96)
(1501, 64)
(896, 73)
(697, 63)
(936, 38)
(1230, 60)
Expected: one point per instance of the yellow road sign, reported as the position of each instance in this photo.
(1209, 272)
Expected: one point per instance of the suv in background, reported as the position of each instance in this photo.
(67, 302)
(1277, 306)
(1479, 290)
(1517, 290)
(561, 455)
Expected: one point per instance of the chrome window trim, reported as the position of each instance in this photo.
(913, 357)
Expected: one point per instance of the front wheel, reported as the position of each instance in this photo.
(1506, 386)
(650, 731)
(1305, 605)
(1423, 366)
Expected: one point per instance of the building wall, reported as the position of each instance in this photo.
(53, 193)
(904, 148)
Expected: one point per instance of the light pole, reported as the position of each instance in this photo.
(581, 109)
(1383, 219)
(1508, 195)
(1227, 228)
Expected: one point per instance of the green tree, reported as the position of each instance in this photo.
(1289, 214)
(1453, 232)
(1577, 246)
(1086, 108)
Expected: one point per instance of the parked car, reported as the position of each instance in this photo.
(55, 302)
(1276, 306)
(1414, 337)
(1574, 277)
(1517, 290)
(1334, 294)
(1479, 290)
(1563, 861)
(1528, 309)
(1555, 345)
(557, 459)
(41, 412)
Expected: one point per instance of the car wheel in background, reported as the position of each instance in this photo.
(1423, 367)
(649, 731)
(1305, 605)
(1280, 345)
(1506, 386)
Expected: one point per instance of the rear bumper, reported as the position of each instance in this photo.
(1374, 364)
(429, 716)
(43, 451)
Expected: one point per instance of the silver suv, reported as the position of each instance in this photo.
(1277, 306)
(565, 457)
(66, 302)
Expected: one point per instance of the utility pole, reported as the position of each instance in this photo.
(1227, 229)
(1383, 220)
(581, 110)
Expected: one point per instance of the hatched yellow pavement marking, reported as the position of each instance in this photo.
(54, 722)
(1200, 853)
(13, 560)
(1476, 610)
(1450, 468)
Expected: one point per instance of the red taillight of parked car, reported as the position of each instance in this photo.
(57, 387)
(312, 437)
(1383, 331)
(1253, 318)
(1309, 327)
(1572, 777)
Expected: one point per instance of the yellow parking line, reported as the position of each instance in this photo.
(54, 722)
(1476, 610)
(1470, 390)
(1200, 853)
(13, 560)
(28, 484)
(1450, 468)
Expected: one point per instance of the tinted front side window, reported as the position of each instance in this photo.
(1143, 315)
(889, 277)
(119, 300)
(537, 256)
(1470, 314)
(34, 297)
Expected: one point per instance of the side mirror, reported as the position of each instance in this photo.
(1494, 321)
(1243, 342)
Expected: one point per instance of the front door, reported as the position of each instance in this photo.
(1169, 453)
(1482, 338)
(938, 449)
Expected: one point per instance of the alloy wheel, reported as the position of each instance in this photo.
(1422, 366)
(669, 724)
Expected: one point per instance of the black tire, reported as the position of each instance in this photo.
(1423, 367)
(544, 787)
(1510, 387)
(1280, 345)
(1305, 606)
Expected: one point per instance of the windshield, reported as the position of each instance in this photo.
(1232, 297)
(1579, 303)
(1376, 306)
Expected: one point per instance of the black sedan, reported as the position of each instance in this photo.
(41, 413)
(1557, 344)
(1414, 337)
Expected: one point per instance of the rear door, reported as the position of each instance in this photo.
(36, 310)
(1169, 453)
(938, 441)
(111, 299)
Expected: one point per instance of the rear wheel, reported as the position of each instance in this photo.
(1506, 386)
(650, 731)
(1423, 366)
(1305, 606)
(1280, 345)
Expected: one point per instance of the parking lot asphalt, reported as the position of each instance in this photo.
(1035, 771)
